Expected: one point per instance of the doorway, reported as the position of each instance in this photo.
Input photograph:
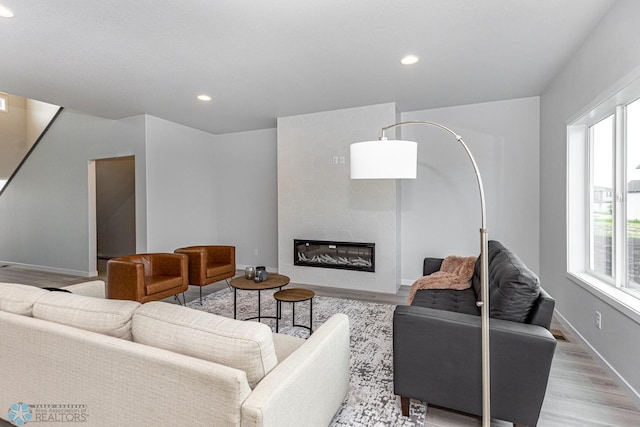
(115, 209)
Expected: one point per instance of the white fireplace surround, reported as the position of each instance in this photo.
(317, 200)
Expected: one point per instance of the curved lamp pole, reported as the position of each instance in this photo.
(396, 159)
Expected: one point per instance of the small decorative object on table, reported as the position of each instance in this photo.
(249, 273)
(261, 274)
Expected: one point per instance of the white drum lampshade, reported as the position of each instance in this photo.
(384, 159)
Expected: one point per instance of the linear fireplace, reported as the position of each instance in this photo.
(329, 254)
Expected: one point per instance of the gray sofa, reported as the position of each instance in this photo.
(437, 343)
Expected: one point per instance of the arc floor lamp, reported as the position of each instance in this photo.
(397, 159)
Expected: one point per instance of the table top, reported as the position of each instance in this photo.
(274, 281)
(294, 295)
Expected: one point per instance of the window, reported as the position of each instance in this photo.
(601, 180)
(603, 191)
(614, 190)
(632, 205)
(4, 103)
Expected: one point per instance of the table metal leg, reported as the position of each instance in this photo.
(279, 307)
(235, 301)
(259, 292)
(311, 315)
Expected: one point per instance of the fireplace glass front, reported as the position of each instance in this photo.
(330, 254)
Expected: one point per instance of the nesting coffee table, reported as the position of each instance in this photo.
(275, 281)
(294, 295)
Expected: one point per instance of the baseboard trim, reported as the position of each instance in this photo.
(622, 383)
(52, 269)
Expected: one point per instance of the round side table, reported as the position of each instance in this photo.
(274, 281)
(294, 295)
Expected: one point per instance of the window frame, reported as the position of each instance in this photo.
(579, 200)
(590, 201)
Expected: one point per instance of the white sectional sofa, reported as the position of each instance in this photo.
(115, 363)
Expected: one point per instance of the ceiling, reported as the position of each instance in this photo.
(263, 59)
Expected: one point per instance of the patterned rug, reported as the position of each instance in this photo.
(371, 401)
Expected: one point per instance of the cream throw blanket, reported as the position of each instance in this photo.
(455, 273)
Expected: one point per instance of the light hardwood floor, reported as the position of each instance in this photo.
(580, 391)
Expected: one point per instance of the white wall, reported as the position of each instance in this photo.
(182, 179)
(317, 200)
(441, 209)
(609, 58)
(247, 195)
(45, 212)
(186, 180)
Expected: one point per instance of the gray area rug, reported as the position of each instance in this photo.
(371, 401)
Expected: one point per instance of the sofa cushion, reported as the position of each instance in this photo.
(514, 288)
(494, 248)
(247, 346)
(104, 316)
(157, 284)
(218, 269)
(463, 301)
(19, 299)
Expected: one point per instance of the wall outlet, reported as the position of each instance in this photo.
(335, 160)
(598, 320)
(255, 252)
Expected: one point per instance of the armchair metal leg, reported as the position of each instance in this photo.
(405, 403)
(200, 294)
(178, 299)
(228, 284)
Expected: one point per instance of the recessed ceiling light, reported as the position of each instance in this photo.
(5, 12)
(409, 60)
(204, 97)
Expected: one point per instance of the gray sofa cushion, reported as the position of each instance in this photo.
(448, 299)
(513, 288)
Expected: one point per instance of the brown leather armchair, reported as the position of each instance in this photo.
(209, 264)
(147, 277)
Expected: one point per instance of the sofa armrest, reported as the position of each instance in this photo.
(309, 386)
(437, 359)
(431, 265)
(542, 311)
(197, 264)
(125, 280)
(94, 288)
